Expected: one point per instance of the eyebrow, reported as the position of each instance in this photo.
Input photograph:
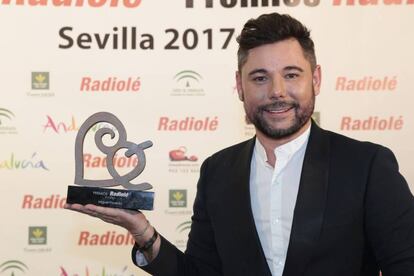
(264, 71)
(259, 70)
(293, 67)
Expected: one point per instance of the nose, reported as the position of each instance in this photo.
(277, 89)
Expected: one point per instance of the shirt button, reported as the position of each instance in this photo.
(278, 264)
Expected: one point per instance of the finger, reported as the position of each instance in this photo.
(112, 212)
(74, 207)
(110, 220)
(102, 211)
(80, 209)
(122, 217)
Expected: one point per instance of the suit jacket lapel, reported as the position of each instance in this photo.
(255, 260)
(310, 203)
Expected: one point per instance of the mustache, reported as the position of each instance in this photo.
(279, 105)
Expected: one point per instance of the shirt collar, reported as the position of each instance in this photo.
(288, 149)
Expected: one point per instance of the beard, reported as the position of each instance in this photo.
(302, 116)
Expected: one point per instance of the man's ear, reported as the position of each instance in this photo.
(316, 79)
(239, 86)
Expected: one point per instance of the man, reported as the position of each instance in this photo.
(295, 199)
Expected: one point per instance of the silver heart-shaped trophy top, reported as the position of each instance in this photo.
(110, 151)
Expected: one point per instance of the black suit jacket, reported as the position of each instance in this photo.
(354, 215)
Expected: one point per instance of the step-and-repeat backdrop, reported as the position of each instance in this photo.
(166, 70)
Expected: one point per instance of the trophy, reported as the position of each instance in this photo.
(91, 191)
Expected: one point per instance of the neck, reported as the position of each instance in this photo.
(270, 144)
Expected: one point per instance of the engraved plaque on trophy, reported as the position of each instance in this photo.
(90, 191)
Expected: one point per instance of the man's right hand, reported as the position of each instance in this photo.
(133, 221)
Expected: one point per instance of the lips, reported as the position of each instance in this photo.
(278, 108)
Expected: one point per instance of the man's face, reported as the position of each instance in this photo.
(278, 88)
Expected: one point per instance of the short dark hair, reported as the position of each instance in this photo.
(270, 28)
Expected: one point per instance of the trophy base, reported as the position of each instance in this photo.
(114, 198)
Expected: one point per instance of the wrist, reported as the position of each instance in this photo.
(140, 232)
(147, 244)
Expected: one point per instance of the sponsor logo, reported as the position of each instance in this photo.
(40, 80)
(178, 198)
(87, 238)
(37, 235)
(51, 202)
(371, 2)
(102, 272)
(182, 229)
(5, 117)
(180, 155)
(180, 162)
(91, 161)
(118, 194)
(111, 84)
(13, 268)
(58, 127)
(367, 83)
(75, 3)
(188, 124)
(188, 84)
(251, 3)
(14, 163)
(40, 85)
(5, 114)
(185, 226)
(372, 123)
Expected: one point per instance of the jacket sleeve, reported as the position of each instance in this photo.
(201, 257)
(389, 217)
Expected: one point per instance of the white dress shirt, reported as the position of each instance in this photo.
(273, 193)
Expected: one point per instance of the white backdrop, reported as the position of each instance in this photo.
(57, 58)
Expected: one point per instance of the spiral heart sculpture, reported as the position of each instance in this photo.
(110, 151)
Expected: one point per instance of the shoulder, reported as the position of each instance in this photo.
(343, 151)
(342, 144)
(232, 157)
(234, 150)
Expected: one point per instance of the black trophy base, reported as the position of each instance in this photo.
(114, 198)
